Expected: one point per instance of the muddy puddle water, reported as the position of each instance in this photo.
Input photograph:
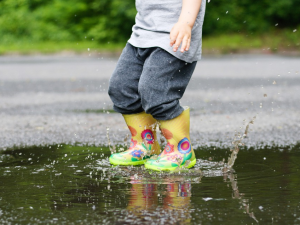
(75, 185)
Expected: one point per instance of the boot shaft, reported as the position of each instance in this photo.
(177, 132)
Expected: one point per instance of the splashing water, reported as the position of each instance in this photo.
(112, 148)
(237, 142)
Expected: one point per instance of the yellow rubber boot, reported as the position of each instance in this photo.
(143, 141)
(178, 151)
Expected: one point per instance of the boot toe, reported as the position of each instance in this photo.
(122, 160)
(160, 165)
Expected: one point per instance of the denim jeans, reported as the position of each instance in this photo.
(150, 80)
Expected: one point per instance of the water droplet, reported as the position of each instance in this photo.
(227, 12)
(88, 49)
(276, 24)
(294, 30)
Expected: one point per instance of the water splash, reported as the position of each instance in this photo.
(238, 141)
(111, 147)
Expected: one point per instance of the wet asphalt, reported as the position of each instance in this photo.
(63, 99)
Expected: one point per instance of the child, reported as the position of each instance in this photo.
(150, 78)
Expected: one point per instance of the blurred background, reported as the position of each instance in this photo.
(105, 25)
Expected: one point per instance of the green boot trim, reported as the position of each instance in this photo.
(120, 162)
(170, 168)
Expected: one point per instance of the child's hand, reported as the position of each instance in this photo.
(181, 33)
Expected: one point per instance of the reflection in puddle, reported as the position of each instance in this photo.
(244, 202)
(169, 202)
(149, 200)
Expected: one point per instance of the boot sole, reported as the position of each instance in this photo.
(120, 163)
(192, 164)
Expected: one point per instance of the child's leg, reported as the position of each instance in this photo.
(162, 83)
(123, 84)
(123, 90)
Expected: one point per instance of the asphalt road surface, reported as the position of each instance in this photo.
(63, 99)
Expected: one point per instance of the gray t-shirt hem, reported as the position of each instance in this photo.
(182, 56)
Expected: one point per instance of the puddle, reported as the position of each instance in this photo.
(64, 184)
